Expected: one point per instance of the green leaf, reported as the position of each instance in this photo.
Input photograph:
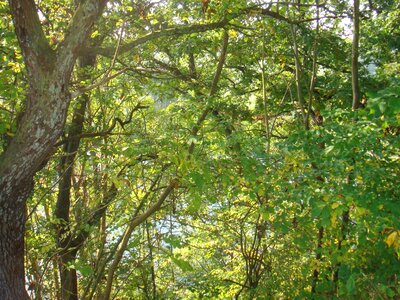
(182, 264)
(85, 270)
(198, 180)
(3, 128)
(326, 216)
(173, 240)
(351, 284)
(195, 203)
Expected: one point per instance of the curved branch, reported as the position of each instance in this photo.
(175, 31)
(106, 132)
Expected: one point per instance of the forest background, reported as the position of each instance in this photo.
(195, 149)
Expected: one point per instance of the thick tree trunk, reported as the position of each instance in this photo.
(38, 131)
(12, 227)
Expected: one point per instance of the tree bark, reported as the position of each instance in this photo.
(69, 280)
(12, 228)
(39, 130)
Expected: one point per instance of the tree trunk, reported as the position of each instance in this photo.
(318, 257)
(69, 280)
(69, 283)
(354, 59)
(12, 227)
(25, 155)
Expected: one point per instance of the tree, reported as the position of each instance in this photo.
(47, 100)
(48, 97)
(169, 164)
(354, 58)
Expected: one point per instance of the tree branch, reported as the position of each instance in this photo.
(173, 184)
(35, 48)
(176, 31)
(102, 81)
(106, 132)
(85, 16)
(213, 89)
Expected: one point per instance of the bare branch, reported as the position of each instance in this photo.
(213, 89)
(175, 31)
(106, 132)
(100, 83)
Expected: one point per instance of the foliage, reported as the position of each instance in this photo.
(257, 205)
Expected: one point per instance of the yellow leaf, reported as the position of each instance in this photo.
(335, 205)
(95, 33)
(333, 220)
(232, 33)
(392, 238)
(136, 58)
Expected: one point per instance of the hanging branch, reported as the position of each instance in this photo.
(175, 31)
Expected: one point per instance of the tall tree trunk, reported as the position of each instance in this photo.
(298, 77)
(69, 283)
(354, 58)
(151, 258)
(38, 131)
(12, 228)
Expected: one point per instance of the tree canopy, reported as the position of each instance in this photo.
(211, 149)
